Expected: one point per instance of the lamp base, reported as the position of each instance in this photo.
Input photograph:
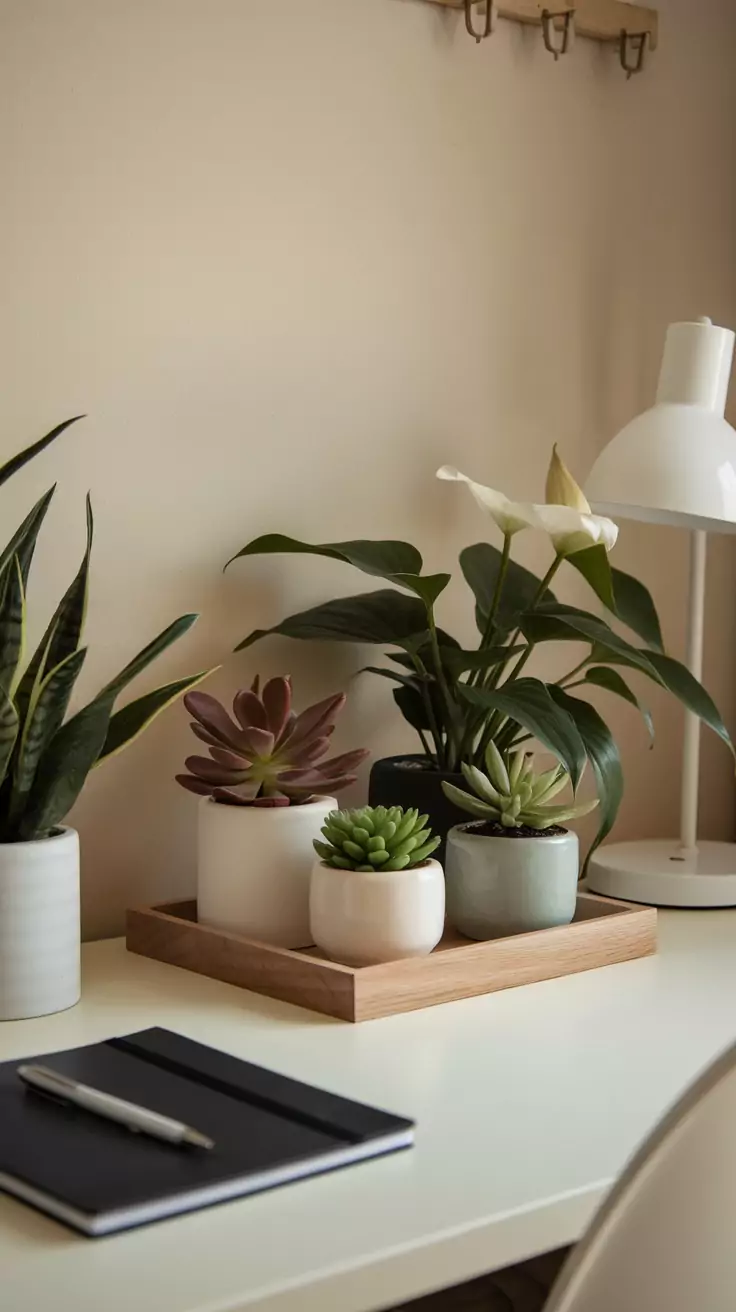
(656, 873)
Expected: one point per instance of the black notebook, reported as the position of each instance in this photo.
(99, 1177)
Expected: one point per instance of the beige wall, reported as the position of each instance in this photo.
(291, 256)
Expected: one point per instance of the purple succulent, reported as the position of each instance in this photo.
(267, 755)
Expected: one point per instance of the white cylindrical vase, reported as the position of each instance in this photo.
(39, 926)
(365, 917)
(254, 867)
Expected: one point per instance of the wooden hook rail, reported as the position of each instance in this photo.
(601, 20)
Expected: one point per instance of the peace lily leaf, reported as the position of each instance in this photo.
(64, 631)
(678, 679)
(603, 755)
(409, 681)
(634, 605)
(480, 565)
(17, 462)
(528, 703)
(595, 568)
(426, 586)
(385, 616)
(566, 624)
(603, 677)
(129, 723)
(384, 559)
(487, 658)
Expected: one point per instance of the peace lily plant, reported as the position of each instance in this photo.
(459, 700)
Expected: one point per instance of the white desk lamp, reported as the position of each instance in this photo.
(676, 464)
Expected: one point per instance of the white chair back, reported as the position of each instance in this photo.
(665, 1240)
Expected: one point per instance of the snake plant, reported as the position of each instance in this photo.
(45, 757)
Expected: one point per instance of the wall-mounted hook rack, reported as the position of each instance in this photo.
(601, 20)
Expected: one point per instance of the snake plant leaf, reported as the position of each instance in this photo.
(130, 721)
(44, 718)
(623, 595)
(170, 634)
(683, 685)
(17, 462)
(64, 632)
(386, 616)
(603, 754)
(382, 559)
(528, 703)
(480, 565)
(63, 768)
(601, 676)
(12, 624)
(8, 731)
(23, 542)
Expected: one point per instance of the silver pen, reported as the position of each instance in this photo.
(112, 1108)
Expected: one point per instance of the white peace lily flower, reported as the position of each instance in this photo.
(567, 517)
(510, 516)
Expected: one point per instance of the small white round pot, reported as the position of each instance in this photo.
(362, 917)
(39, 926)
(497, 886)
(254, 866)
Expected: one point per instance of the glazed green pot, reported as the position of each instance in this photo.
(503, 885)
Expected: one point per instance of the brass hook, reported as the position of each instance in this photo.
(637, 43)
(490, 19)
(549, 31)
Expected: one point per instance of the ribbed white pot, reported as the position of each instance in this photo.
(39, 926)
(254, 866)
(362, 917)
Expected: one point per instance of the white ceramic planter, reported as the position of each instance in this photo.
(39, 926)
(498, 886)
(361, 917)
(254, 867)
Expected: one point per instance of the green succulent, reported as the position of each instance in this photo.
(376, 838)
(512, 795)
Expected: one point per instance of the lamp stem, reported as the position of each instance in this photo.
(691, 742)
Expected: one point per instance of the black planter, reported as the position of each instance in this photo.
(410, 781)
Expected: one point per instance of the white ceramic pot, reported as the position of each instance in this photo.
(254, 867)
(362, 917)
(39, 926)
(498, 886)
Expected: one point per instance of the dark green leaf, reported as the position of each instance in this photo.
(17, 462)
(612, 681)
(408, 680)
(64, 631)
(529, 704)
(23, 542)
(12, 624)
(480, 565)
(149, 653)
(682, 684)
(427, 587)
(385, 616)
(603, 755)
(383, 559)
(411, 704)
(45, 716)
(566, 624)
(8, 731)
(594, 566)
(486, 659)
(129, 723)
(64, 767)
(635, 607)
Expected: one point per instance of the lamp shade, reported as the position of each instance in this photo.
(676, 463)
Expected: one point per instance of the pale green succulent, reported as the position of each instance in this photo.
(376, 838)
(512, 795)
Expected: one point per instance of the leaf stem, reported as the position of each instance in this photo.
(421, 670)
(487, 637)
(450, 706)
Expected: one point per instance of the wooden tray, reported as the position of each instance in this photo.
(602, 933)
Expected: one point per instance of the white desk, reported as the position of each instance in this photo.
(528, 1103)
